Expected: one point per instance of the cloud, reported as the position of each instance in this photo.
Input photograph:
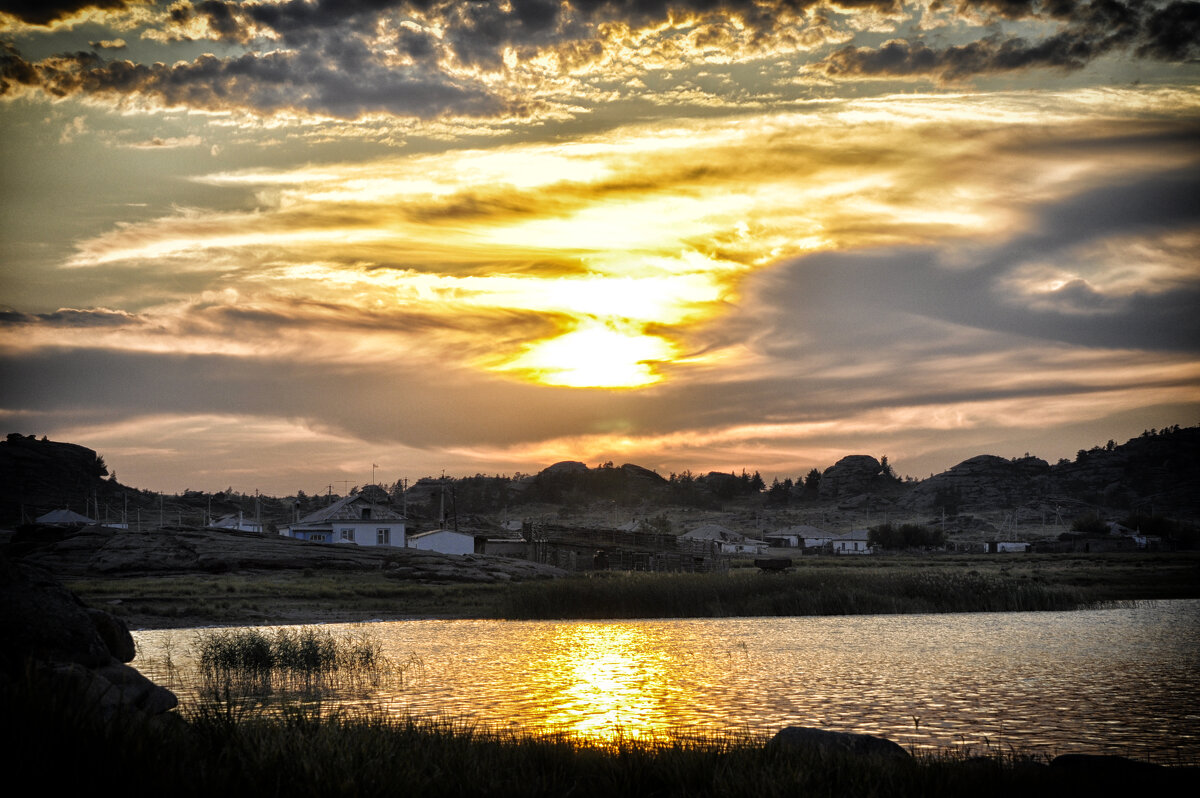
(1089, 30)
(70, 317)
(45, 12)
(169, 143)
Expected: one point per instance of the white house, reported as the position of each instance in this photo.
(1002, 546)
(354, 519)
(236, 521)
(801, 535)
(856, 541)
(445, 541)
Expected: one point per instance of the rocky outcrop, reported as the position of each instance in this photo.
(424, 566)
(984, 481)
(855, 475)
(831, 742)
(50, 635)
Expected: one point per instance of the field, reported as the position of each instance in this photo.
(815, 586)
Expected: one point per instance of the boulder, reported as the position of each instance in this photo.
(852, 475)
(831, 742)
(47, 628)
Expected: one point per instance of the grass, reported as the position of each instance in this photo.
(255, 662)
(817, 585)
(303, 752)
(279, 597)
(862, 585)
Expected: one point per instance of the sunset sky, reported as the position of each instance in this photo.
(270, 244)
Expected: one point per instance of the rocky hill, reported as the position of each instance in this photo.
(40, 475)
(1154, 474)
(1157, 473)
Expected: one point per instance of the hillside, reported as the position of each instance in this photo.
(1155, 474)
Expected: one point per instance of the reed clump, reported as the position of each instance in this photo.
(254, 661)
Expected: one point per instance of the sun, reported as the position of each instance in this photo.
(594, 356)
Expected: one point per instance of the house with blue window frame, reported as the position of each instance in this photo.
(355, 519)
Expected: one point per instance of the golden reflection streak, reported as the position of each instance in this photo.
(609, 684)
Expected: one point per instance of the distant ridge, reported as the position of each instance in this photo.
(1157, 473)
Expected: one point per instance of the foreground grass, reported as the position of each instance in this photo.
(816, 586)
(219, 750)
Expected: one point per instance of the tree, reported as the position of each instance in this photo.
(812, 481)
(887, 467)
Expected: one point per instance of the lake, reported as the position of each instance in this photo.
(1120, 680)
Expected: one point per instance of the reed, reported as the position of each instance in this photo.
(251, 661)
(817, 591)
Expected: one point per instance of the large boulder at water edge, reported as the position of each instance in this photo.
(831, 742)
(46, 629)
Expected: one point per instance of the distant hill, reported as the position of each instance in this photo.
(1157, 473)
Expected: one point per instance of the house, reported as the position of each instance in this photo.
(355, 519)
(64, 518)
(445, 541)
(724, 539)
(236, 521)
(856, 541)
(1004, 547)
(800, 536)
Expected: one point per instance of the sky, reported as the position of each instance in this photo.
(302, 244)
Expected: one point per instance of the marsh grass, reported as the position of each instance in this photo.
(256, 663)
(817, 591)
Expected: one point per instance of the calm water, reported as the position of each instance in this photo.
(1115, 680)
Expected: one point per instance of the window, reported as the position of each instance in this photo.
(383, 537)
(318, 537)
(366, 514)
(348, 534)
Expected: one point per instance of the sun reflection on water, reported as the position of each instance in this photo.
(611, 684)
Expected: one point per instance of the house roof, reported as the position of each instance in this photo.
(804, 531)
(350, 509)
(439, 532)
(64, 517)
(713, 532)
(855, 534)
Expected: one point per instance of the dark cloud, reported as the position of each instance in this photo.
(44, 12)
(1089, 30)
(813, 296)
(70, 317)
(266, 82)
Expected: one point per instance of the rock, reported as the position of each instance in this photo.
(572, 467)
(44, 621)
(831, 742)
(115, 635)
(853, 475)
(984, 481)
(48, 628)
